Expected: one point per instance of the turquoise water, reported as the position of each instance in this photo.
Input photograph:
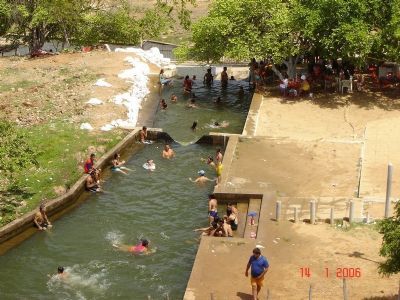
(162, 206)
(178, 118)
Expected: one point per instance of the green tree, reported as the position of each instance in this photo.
(85, 21)
(390, 228)
(284, 31)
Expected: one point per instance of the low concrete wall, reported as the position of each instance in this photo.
(58, 205)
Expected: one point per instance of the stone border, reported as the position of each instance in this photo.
(63, 202)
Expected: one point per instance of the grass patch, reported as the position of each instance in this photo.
(62, 147)
(5, 87)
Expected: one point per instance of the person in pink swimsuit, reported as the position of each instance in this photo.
(141, 248)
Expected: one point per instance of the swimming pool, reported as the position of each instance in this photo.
(178, 118)
(162, 206)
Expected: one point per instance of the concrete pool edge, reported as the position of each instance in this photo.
(62, 202)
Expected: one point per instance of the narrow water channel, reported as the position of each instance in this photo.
(162, 206)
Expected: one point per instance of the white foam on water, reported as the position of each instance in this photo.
(81, 280)
(115, 237)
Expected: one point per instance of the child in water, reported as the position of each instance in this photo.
(149, 165)
(140, 248)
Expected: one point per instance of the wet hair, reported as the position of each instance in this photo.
(214, 224)
(211, 196)
(216, 123)
(218, 149)
(194, 77)
(42, 206)
(145, 242)
(194, 125)
(256, 251)
(225, 68)
(186, 77)
(93, 155)
(144, 128)
(229, 211)
(60, 270)
(116, 155)
(209, 70)
(210, 159)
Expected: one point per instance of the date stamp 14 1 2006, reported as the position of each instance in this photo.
(342, 272)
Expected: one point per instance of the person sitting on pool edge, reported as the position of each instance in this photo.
(89, 163)
(141, 248)
(143, 134)
(163, 79)
(168, 152)
(202, 179)
(92, 183)
(40, 219)
(117, 165)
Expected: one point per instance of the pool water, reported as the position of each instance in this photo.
(162, 206)
(178, 118)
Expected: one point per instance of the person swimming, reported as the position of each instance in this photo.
(117, 165)
(192, 103)
(174, 98)
(168, 152)
(194, 126)
(149, 165)
(201, 179)
(163, 104)
(217, 124)
(140, 248)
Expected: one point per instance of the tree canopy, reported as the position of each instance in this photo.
(86, 21)
(284, 31)
(390, 228)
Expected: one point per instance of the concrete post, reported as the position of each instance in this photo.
(332, 217)
(367, 217)
(388, 189)
(296, 215)
(278, 210)
(351, 212)
(312, 212)
(345, 297)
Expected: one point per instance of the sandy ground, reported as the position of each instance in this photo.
(38, 90)
(288, 248)
(350, 118)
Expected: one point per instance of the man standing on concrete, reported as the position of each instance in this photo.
(259, 267)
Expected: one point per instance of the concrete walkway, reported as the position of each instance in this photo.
(296, 157)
